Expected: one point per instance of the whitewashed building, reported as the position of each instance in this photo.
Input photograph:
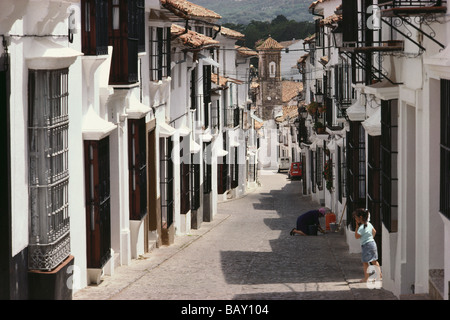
(391, 82)
(98, 119)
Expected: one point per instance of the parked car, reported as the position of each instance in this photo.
(295, 171)
(283, 164)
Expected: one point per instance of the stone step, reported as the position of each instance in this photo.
(436, 283)
(418, 296)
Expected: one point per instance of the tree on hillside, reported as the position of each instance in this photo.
(280, 28)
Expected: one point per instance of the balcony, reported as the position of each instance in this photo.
(412, 8)
(380, 46)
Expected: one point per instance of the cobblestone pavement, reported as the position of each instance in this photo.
(245, 253)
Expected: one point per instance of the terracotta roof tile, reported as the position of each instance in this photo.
(227, 32)
(290, 89)
(303, 58)
(187, 9)
(289, 42)
(330, 20)
(269, 43)
(219, 80)
(315, 3)
(244, 51)
(289, 112)
(191, 38)
(310, 39)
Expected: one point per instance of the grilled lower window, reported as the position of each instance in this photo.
(374, 179)
(48, 124)
(185, 176)
(444, 205)
(342, 169)
(98, 202)
(166, 181)
(137, 164)
(356, 169)
(207, 171)
(389, 153)
(319, 168)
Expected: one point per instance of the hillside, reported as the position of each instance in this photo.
(244, 11)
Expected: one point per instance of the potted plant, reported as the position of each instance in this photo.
(319, 127)
(312, 108)
(322, 109)
(328, 174)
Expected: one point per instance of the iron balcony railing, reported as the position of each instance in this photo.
(232, 117)
(418, 3)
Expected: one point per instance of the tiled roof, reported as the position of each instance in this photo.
(303, 58)
(187, 9)
(269, 43)
(310, 39)
(289, 112)
(191, 38)
(288, 43)
(227, 32)
(315, 3)
(219, 80)
(290, 89)
(244, 51)
(330, 20)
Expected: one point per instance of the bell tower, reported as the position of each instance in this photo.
(269, 78)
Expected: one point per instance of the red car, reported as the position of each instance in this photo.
(295, 171)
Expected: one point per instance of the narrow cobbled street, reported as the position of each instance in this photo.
(245, 253)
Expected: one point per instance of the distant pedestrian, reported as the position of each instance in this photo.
(365, 232)
(308, 219)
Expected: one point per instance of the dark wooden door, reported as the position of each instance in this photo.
(98, 217)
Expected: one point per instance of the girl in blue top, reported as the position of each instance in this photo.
(365, 232)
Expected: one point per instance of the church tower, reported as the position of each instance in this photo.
(269, 78)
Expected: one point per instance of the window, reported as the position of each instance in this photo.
(356, 169)
(185, 176)
(222, 169)
(206, 93)
(94, 16)
(313, 168)
(115, 15)
(193, 89)
(319, 29)
(215, 115)
(389, 153)
(137, 165)
(207, 158)
(159, 53)
(48, 124)
(272, 69)
(342, 169)
(125, 36)
(234, 168)
(343, 87)
(166, 181)
(319, 168)
(195, 181)
(444, 206)
(374, 184)
(98, 204)
(349, 21)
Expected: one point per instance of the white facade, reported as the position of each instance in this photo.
(38, 45)
(415, 257)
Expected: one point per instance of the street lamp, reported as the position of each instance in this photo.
(319, 97)
(303, 112)
(338, 36)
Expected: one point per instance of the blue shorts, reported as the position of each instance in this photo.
(369, 252)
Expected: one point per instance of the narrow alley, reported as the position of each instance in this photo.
(245, 253)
